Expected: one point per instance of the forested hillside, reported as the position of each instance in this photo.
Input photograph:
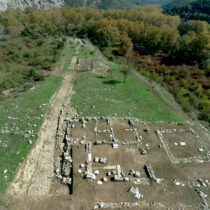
(193, 10)
(100, 4)
(174, 3)
(161, 2)
(174, 53)
(103, 4)
(114, 4)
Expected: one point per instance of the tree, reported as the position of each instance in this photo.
(126, 70)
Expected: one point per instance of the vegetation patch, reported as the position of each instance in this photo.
(189, 85)
(21, 116)
(107, 96)
(24, 60)
(86, 52)
(69, 52)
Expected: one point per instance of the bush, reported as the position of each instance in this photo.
(186, 107)
(64, 39)
(92, 52)
(205, 116)
(184, 72)
(60, 45)
(26, 55)
(39, 77)
(40, 42)
(193, 100)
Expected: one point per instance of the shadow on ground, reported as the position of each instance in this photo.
(112, 82)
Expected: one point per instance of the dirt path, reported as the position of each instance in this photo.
(35, 175)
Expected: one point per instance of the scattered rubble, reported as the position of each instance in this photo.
(146, 130)
(135, 192)
(5, 171)
(115, 146)
(99, 205)
(134, 173)
(125, 205)
(201, 149)
(203, 197)
(99, 182)
(120, 179)
(89, 175)
(104, 179)
(96, 172)
(182, 143)
(143, 152)
(131, 122)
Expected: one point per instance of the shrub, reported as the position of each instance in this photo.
(186, 107)
(40, 42)
(205, 116)
(184, 72)
(60, 45)
(26, 55)
(193, 100)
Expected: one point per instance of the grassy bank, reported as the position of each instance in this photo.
(86, 52)
(21, 116)
(106, 96)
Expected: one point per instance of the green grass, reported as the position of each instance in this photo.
(111, 96)
(2, 203)
(19, 114)
(69, 54)
(86, 52)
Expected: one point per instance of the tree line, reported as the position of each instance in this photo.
(144, 29)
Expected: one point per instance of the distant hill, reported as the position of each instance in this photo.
(190, 10)
(113, 4)
(161, 2)
(174, 3)
(101, 4)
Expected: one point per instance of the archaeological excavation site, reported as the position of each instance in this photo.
(126, 163)
(98, 150)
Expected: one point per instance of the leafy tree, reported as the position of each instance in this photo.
(193, 25)
(126, 70)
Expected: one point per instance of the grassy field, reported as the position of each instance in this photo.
(106, 96)
(69, 52)
(86, 52)
(21, 116)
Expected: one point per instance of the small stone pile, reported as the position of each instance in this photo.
(135, 192)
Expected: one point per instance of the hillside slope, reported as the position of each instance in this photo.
(51, 4)
(102, 4)
(194, 10)
(174, 3)
(111, 4)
